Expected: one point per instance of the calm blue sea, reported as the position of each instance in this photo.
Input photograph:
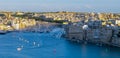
(44, 45)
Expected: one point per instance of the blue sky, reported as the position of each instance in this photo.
(61, 5)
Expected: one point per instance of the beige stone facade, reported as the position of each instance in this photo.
(75, 33)
(94, 35)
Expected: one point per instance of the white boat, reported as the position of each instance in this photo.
(3, 32)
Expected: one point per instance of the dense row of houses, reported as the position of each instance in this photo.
(15, 23)
(93, 31)
(77, 16)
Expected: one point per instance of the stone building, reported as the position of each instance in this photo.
(106, 35)
(92, 33)
(96, 31)
(74, 32)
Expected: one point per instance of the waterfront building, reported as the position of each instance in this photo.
(106, 34)
(74, 32)
(118, 22)
(93, 31)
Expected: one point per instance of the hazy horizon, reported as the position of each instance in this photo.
(60, 5)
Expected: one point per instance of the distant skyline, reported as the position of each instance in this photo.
(61, 5)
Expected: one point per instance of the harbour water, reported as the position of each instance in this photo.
(45, 45)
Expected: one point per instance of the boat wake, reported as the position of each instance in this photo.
(57, 32)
